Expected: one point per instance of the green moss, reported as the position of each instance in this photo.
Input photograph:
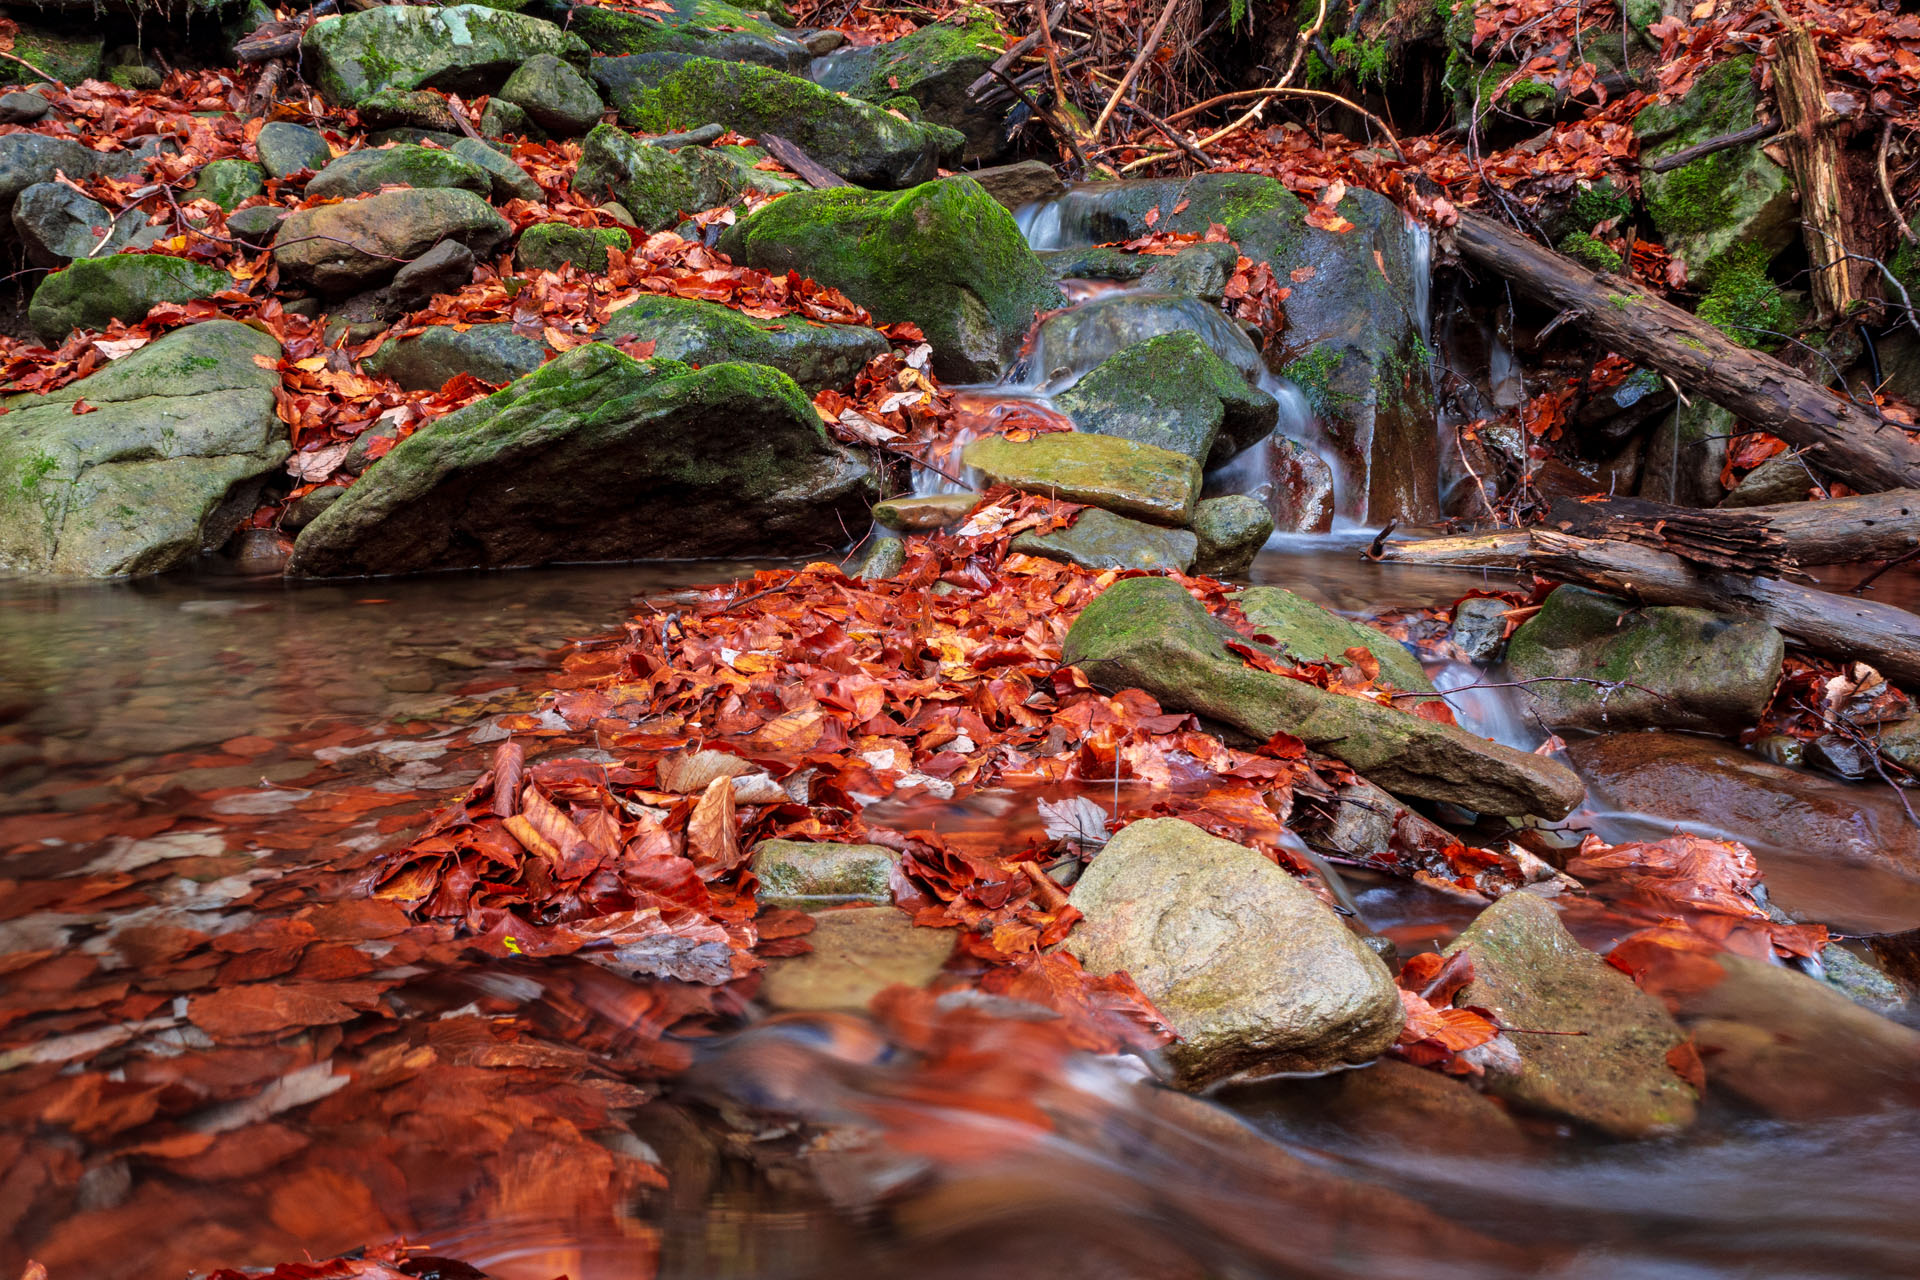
(1594, 253)
(1905, 265)
(36, 469)
(68, 59)
(1596, 204)
(1701, 196)
(1313, 373)
(1744, 303)
(1688, 340)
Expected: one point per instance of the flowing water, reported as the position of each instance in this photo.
(801, 1146)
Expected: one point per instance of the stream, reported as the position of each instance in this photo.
(112, 693)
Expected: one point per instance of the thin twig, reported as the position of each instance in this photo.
(1886, 187)
(1147, 48)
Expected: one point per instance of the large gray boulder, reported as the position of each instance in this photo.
(27, 159)
(1149, 633)
(1253, 972)
(554, 95)
(166, 465)
(356, 244)
(91, 293)
(658, 186)
(1669, 667)
(1175, 392)
(1603, 1059)
(813, 354)
(935, 66)
(56, 224)
(600, 457)
(464, 48)
(857, 140)
(944, 255)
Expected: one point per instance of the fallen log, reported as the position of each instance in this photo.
(1842, 626)
(1772, 540)
(1848, 442)
(811, 171)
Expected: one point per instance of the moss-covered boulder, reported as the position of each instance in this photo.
(286, 148)
(1734, 196)
(353, 245)
(658, 186)
(1616, 1075)
(408, 109)
(1353, 322)
(1150, 634)
(464, 48)
(93, 292)
(167, 465)
(68, 56)
(857, 140)
(1230, 531)
(548, 246)
(1101, 540)
(597, 456)
(804, 873)
(426, 361)
(813, 354)
(360, 173)
(554, 95)
(1253, 972)
(1305, 632)
(1668, 668)
(707, 28)
(1174, 392)
(933, 66)
(228, 182)
(943, 255)
(510, 181)
(1140, 480)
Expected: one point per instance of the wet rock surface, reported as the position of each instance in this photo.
(857, 953)
(1101, 540)
(1175, 393)
(1255, 973)
(1612, 1072)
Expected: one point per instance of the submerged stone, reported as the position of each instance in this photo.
(1150, 634)
(858, 952)
(166, 467)
(1101, 540)
(596, 456)
(1667, 667)
(1174, 392)
(854, 139)
(944, 256)
(1254, 972)
(813, 354)
(1118, 475)
(1614, 1074)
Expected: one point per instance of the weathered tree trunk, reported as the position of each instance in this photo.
(1848, 442)
(1815, 151)
(1769, 539)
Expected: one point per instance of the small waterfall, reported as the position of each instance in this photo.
(1491, 713)
(1420, 255)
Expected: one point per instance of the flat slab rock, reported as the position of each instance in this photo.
(821, 872)
(1614, 1075)
(1254, 972)
(1101, 540)
(1121, 476)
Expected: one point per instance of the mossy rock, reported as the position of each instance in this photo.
(1150, 634)
(861, 142)
(596, 456)
(660, 187)
(229, 182)
(1664, 668)
(932, 67)
(707, 28)
(1174, 392)
(944, 255)
(813, 354)
(554, 95)
(1743, 302)
(1139, 480)
(66, 56)
(286, 148)
(1733, 197)
(548, 246)
(510, 181)
(94, 292)
(360, 173)
(166, 467)
(345, 247)
(1305, 632)
(426, 361)
(465, 48)
(1101, 540)
(804, 873)
(1230, 531)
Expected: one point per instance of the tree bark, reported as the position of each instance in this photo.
(1770, 539)
(1847, 442)
(812, 171)
(1802, 93)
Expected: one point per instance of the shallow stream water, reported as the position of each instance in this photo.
(128, 699)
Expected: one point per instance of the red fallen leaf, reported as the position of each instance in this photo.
(1361, 657)
(1684, 1058)
(1152, 216)
(237, 1013)
(1327, 218)
(1257, 660)
(713, 833)
(81, 406)
(1434, 709)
